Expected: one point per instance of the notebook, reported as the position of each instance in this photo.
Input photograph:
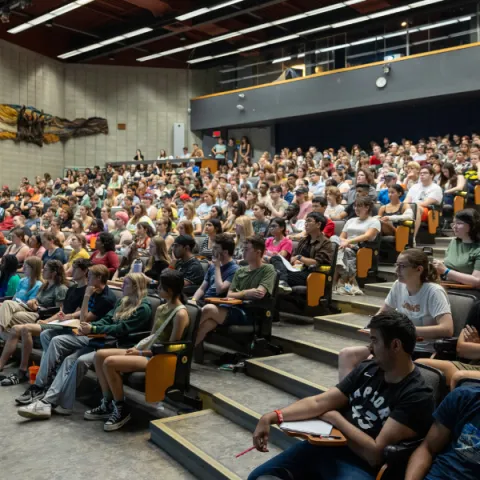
(57, 324)
(311, 427)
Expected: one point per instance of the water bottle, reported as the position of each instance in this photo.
(137, 266)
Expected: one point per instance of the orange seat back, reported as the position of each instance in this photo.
(458, 203)
(160, 375)
(433, 221)
(477, 194)
(316, 282)
(364, 262)
(401, 238)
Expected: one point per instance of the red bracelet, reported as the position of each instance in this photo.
(279, 416)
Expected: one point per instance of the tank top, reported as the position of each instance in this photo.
(398, 212)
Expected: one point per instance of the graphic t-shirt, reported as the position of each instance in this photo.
(430, 302)
(372, 400)
(419, 193)
(460, 413)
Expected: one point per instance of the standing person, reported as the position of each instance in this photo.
(232, 151)
(50, 294)
(220, 274)
(170, 325)
(244, 150)
(105, 253)
(74, 354)
(138, 156)
(9, 278)
(424, 194)
(219, 151)
(252, 282)
(382, 402)
(416, 294)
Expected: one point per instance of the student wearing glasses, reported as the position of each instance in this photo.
(418, 295)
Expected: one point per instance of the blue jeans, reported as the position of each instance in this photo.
(305, 461)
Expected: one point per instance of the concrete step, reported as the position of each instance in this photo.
(297, 375)
(206, 444)
(316, 344)
(345, 325)
(387, 272)
(362, 304)
(247, 391)
(438, 250)
(443, 241)
(378, 289)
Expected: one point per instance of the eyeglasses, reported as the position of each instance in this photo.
(401, 266)
(456, 224)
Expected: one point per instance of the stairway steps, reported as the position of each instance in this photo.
(209, 456)
(297, 375)
(345, 324)
(253, 394)
(316, 344)
(362, 304)
(378, 289)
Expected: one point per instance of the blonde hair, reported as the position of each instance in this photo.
(161, 251)
(247, 225)
(335, 192)
(128, 305)
(36, 266)
(212, 194)
(414, 165)
(191, 207)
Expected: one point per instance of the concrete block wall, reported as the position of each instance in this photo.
(30, 79)
(149, 101)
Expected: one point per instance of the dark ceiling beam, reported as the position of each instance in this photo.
(253, 8)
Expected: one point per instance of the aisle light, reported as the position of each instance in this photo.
(48, 16)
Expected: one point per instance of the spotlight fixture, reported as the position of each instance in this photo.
(240, 107)
(404, 24)
(387, 69)
(241, 95)
(111, 58)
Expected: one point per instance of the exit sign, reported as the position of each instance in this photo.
(216, 134)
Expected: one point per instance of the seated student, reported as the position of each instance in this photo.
(184, 261)
(394, 210)
(53, 249)
(170, 325)
(416, 294)
(462, 258)
(382, 402)
(9, 278)
(312, 251)
(70, 309)
(74, 353)
(391, 179)
(105, 253)
(243, 230)
(121, 234)
(78, 243)
(220, 274)
(252, 282)
(361, 228)
(50, 294)
(18, 246)
(424, 193)
(159, 259)
(261, 222)
(361, 190)
(450, 449)
(213, 227)
(319, 205)
(278, 243)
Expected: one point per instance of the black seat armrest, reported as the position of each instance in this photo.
(3, 299)
(446, 345)
(136, 337)
(397, 454)
(161, 348)
(45, 313)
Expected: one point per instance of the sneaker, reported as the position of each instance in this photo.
(61, 411)
(102, 412)
(348, 289)
(341, 291)
(356, 290)
(120, 416)
(36, 410)
(32, 393)
(14, 379)
(284, 287)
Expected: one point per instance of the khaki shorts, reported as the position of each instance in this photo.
(467, 366)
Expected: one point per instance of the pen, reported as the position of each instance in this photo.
(244, 452)
(334, 437)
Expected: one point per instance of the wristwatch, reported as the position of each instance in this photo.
(299, 257)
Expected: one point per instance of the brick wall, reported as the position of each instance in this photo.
(148, 100)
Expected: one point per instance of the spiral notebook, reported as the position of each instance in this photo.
(311, 427)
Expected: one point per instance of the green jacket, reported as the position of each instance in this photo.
(139, 321)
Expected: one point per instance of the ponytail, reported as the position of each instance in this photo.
(431, 276)
(418, 258)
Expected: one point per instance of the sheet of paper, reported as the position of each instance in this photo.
(288, 265)
(75, 323)
(313, 427)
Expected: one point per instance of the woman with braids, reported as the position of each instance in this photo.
(418, 295)
(170, 325)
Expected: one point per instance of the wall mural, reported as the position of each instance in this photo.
(27, 124)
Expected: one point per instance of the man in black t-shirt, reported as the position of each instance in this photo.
(185, 262)
(382, 402)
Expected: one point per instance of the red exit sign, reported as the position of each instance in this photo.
(216, 134)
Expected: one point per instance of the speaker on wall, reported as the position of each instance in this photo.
(178, 139)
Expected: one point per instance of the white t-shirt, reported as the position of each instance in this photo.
(195, 221)
(334, 211)
(356, 227)
(419, 193)
(430, 302)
